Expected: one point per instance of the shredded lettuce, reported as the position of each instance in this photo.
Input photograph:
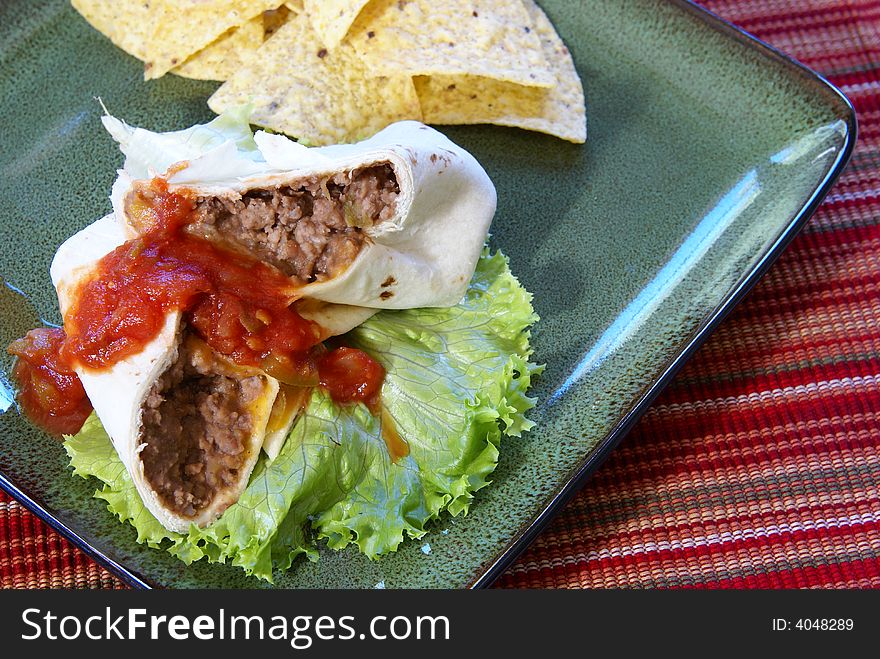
(147, 152)
(456, 381)
(223, 150)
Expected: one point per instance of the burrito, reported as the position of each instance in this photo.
(187, 422)
(396, 221)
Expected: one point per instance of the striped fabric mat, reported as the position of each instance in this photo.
(759, 466)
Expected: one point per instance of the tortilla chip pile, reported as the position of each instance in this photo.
(330, 71)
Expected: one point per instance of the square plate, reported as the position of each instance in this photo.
(707, 151)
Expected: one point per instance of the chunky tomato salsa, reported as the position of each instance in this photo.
(240, 306)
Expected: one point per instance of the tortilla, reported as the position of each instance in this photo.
(559, 110)
(316, 94)
(165, 33)
(422, 254)
(221, 58)
(490, 38)
(332, 18)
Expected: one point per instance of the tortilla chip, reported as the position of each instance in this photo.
(332, 18)
(275, 18)
(559, 111)
(318, 95)
(165, 33)
(127, 23)
(490, 38)
(220, 59)
(184, 27)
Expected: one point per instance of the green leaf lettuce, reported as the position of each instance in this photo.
(456, 380)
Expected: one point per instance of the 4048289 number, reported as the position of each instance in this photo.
(824, 624)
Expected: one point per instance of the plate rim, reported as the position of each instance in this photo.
(490, 571)
(594, 459)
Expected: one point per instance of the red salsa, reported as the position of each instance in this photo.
(351, 376)
(239, 306)
(49, 391)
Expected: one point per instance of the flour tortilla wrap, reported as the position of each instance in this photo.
(125, 396)
(421, 252)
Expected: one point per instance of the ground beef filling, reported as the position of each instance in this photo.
(311, 229)
(195, 427)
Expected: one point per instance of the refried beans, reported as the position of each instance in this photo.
(310, 229)
(195, 427)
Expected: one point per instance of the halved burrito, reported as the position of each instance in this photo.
(396, 221)
(187, 422)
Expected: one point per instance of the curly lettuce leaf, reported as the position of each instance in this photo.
(456, 381)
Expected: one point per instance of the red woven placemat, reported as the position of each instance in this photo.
(759, 466)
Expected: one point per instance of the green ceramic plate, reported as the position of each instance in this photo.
(706, 152)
